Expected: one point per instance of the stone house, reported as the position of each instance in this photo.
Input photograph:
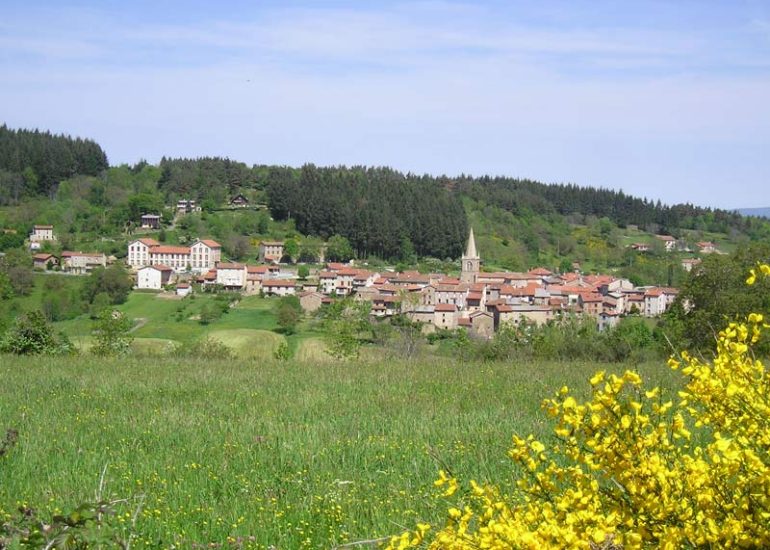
(43, 260)
(150, 221)
(279, 287)
(445, 316)
(82, 262)
(42, 233)
(310, 301)
(270, 251)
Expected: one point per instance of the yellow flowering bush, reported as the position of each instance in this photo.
(634, 468)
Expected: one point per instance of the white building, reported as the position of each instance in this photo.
(279, 287)
(153, 277)
(139, 252)
(204, 254)
(42, 233)
(231, 276)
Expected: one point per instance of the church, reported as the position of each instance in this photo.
(470, 263)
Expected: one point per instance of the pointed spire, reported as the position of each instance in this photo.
(470, 252)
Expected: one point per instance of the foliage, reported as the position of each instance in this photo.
(346, 326)
(714, 294)
(34, 162)
(114, 281)
(288, 312)
(374, 208)
(338, 249)
(205, 348)
(634, 468)
(303, 272)
(15, 273)
(111, 332)
(281, 353)
(31, 334)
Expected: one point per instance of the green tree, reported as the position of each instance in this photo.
(288, 314)
(114, 281)
(303, 271)
(338, 249)
(716, 292)
(32, 334)
(291, 249)
(111, 332)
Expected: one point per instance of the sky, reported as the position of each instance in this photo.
(664, 100)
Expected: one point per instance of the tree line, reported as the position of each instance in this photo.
(382, 212)
(32, 163)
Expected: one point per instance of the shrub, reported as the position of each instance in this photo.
(31, 334)
(111, 333)
(208, 348)
(636, 468)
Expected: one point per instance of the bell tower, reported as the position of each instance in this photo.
(470, 263)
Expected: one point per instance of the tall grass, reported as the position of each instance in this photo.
(292, 454)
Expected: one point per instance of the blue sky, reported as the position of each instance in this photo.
(666, 100)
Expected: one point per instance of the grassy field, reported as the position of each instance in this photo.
(311, 454)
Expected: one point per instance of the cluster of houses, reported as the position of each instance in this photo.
(672, 244)
(78, 263)
(479, 301)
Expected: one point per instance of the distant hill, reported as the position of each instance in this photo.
(759, 212)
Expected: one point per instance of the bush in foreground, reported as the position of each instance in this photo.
(634, 468)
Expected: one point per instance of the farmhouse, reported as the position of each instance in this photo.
(82, 262)
(43, 261)
(311, 301)
(231, 276)
(153, 277)
(42, 233)
(150, 221)
(279, 287)
(270, 251)
(669, 242)
(445, 316)
(183, 289)
(187, 206)
(689, 263)
(239, 201)
(706, 247)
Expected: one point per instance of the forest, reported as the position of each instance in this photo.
(33, 163)
(383, 213)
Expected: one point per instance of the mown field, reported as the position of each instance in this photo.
(296, 454)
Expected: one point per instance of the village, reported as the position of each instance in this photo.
(478, 301)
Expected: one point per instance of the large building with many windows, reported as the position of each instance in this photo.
(201, 256)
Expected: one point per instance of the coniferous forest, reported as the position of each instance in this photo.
(33, 163)
(382, 212)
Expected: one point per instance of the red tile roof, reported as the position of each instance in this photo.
(446, 307)
(162, 249)
(225, 265)
(279, 282)
(148, 242)
(210, 243)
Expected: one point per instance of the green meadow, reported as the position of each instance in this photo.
(297, 454)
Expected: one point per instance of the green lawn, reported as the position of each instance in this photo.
(297, 455)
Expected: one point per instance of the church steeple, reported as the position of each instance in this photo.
(470, 263)
(470, 250)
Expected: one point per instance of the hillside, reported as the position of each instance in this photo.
(384, 215)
